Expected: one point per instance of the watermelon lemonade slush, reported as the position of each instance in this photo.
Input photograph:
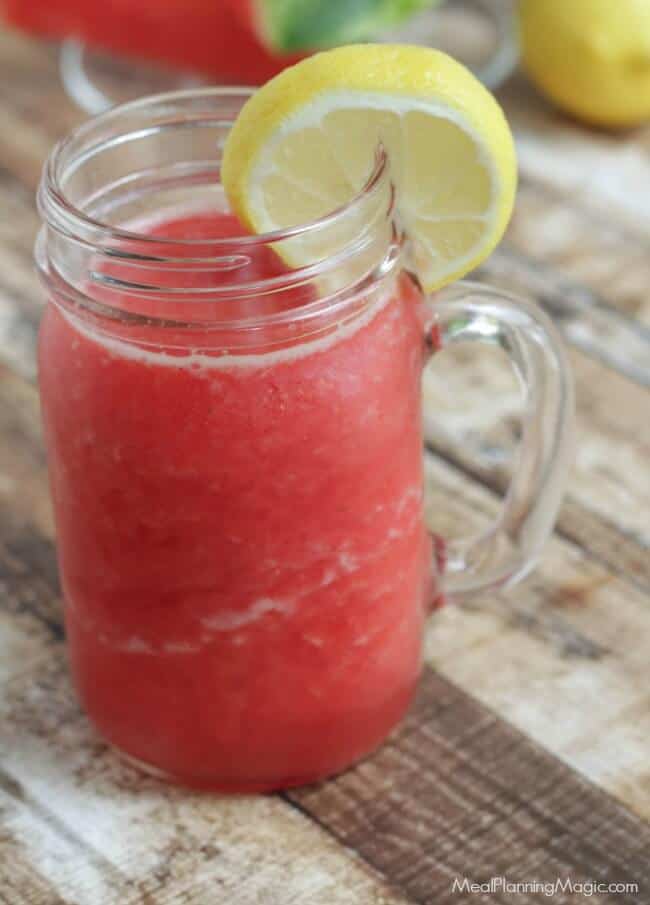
(245, 580)
(235, 448)
(237, 480)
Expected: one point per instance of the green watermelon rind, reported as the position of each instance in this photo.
(292, 26)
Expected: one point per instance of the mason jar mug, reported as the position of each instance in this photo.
(235, 454)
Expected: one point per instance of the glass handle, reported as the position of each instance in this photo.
(469, 312)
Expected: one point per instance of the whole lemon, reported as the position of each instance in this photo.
(592, 57)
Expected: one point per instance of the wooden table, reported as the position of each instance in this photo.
(528, 753)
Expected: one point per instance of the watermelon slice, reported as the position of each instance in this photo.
(290, 26)
(246, 41)
(195, 35)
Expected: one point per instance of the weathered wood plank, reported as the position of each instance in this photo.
(28, 575)
(23, 469)
(608, 172)
(458, 794)
(585, 246)
(21, 881)
(95, 831)
(30, 606)
(33, 104)
(586, 320)
(564, 656)
(23, 878)
(25, 146)
(472, 403)
(580, 211)
(21, 295)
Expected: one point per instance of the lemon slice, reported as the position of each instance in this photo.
(305, 143)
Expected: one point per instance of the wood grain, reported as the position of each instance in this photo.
(564, 656)
(101, 833)
(585, 318)
(20, 881)
(580, 234)
(606, 173)
(472, 409)
(457, 793)
(34, 110)
(610, 260)
(20, 291)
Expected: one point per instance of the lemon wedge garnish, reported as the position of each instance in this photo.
(305, 143)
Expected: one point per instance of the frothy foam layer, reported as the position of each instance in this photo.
(197, 361)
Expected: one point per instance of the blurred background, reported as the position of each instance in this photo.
(111, 51)
(573, 78)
